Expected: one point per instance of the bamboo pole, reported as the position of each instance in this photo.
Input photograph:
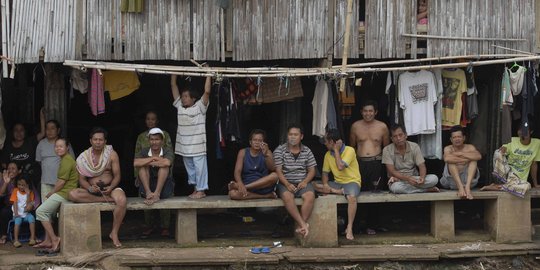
(292, 72)
(346, 43)
(465, 38)
(4, 38)
(222, 32)
(512, 50)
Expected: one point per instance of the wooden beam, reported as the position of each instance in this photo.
(346, 42)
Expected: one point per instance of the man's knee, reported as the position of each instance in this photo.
(74, 194)
(119, 198)
(308, 196)
(351, 199)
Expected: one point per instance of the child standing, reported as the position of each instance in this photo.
(22, 199)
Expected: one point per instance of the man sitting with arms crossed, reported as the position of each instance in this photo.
(154, 165)
(344, 168)
(99, 169)
(402, 158)
(460, 171)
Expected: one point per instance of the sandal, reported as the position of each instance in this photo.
(371, 231)
(17, 244)
(3, 239)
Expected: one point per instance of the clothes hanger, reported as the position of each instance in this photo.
(514, 66)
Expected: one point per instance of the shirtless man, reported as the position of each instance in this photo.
(460, 171)
(99, 169)
(368, 137)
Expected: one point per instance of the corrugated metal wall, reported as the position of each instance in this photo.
(42, 24)
(103, 30)
(480, 18)
(386, 20)
(162, 31)
(206, 30)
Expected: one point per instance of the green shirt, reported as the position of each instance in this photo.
(520, 157)
(68, 172)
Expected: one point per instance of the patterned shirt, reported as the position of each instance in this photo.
(191, 132)
(294, 169)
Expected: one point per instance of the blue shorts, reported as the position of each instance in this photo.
(349, 189)
(29, 219)
(298, 194)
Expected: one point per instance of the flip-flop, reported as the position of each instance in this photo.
(42, 252)
(52, 253)
(255, 250)
(371, 232)
(265, 250)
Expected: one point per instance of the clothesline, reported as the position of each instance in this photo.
(280, 72)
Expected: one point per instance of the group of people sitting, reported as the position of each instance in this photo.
(287, 172)
(290, 169)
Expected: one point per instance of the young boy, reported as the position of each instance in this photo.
(22, 199)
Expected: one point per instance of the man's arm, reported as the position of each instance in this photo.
(451, 158)
(396, 174)
(161, 162)
(141, 162)
(534, 173)
(116, 173)
(423, 171)
(471, 153)
(386, 136)
(174, 87)
(207, 88)
(41, 132)
(352, 137)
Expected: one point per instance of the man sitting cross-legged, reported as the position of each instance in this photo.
(340, 160)
(253, 172)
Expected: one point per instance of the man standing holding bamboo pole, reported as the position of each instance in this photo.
(191, 134)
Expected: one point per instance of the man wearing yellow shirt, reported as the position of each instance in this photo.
(340, 160)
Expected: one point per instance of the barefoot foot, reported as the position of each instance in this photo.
(116, 242)
(349, 234)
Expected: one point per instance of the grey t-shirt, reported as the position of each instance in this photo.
(405, 164)
(49, 161)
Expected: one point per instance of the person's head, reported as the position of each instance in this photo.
(525, 138)
(13, 169)
(398, 135)
(98, 138)
(151, 119)
(187, 97)
(295, 134)
(331, 137)
(61, 147)
(155, 137)
(256, 138)
(23, 182)
(457, 136)
(369, 110)
(19, 132)
(422, 5)
(52, 129)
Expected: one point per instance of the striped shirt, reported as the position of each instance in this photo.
(294, 169)
(191, 132)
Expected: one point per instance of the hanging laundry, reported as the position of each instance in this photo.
(79, 80)
(320, 108)
(96, 95)
(431, 144)
(279, 89)
(506, 92)
(472, 95)
(331, 115)
(527, 94)
(516, 79)
(417, 95)
(120, 83)
(454, 85)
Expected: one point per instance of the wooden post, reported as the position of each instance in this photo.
(55, 96)
(222, 32)
(330, 32)
(346, 42)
